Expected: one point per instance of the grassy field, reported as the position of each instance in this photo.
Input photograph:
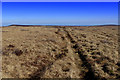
(60, 52)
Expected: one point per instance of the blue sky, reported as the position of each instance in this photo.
(62, 13)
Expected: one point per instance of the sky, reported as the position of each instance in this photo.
(60, 0)
(59, 13)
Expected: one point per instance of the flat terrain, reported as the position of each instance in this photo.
(60, 52)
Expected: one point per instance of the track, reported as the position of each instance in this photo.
(84, 64)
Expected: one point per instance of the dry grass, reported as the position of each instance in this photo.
(67, 52)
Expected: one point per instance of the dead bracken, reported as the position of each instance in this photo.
(11, 46)
(17, 52)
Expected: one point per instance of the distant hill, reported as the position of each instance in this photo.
(16, 25)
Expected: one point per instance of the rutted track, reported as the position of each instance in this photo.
(78, 62)
(84, 64)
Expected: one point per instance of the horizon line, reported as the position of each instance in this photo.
(61, 25)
